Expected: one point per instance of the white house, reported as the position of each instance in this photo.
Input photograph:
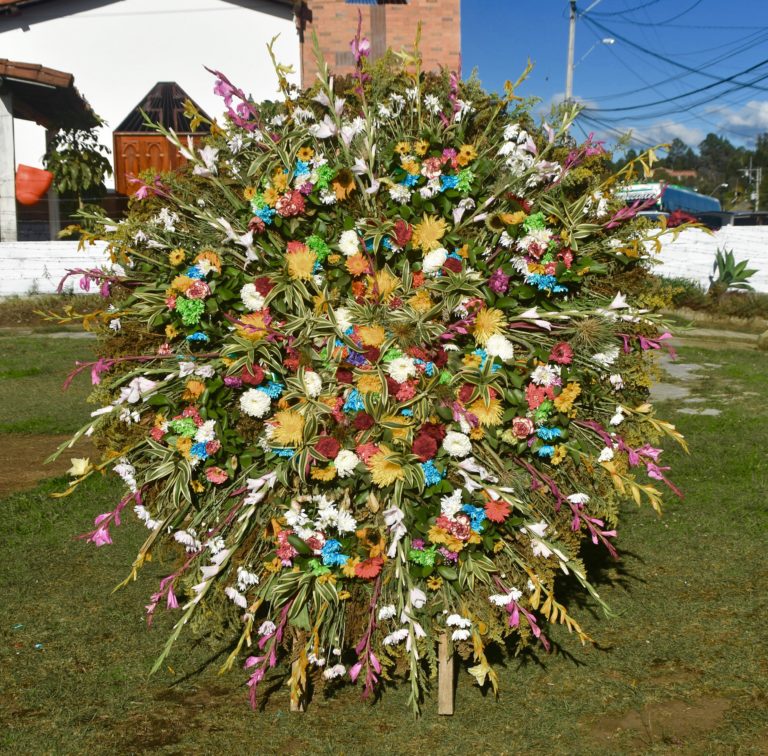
(118, 49)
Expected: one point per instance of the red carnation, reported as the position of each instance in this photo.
(327, 446)
(290, 204)
(363, 421)
(465, 392)
(344, 376)
(562, 353)
(257, 225)
(372, 354)
(424, 447)
(263, 285)
(392, 385)
(403, 233)
(418, 279)
(453, 265)
(435, 430)
(369, 568)
(441, 358)
(252, 375)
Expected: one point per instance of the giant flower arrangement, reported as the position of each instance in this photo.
(368, 367)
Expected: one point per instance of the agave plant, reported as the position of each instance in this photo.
(729, 274)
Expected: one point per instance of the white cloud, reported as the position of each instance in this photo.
(751, 118)
(666, 131)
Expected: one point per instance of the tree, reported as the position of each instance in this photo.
(78, 163)
(680, 157)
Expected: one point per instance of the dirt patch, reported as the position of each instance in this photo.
(22, 457)
(667, 722)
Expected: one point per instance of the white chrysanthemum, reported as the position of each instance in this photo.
(402, 368)
(606, 455)
(432, 188)
(434, 260)
(255, 403)
(578, 498)
(460, 635)
(606, 358)
(618, 417)
(546, 375)
(251, 298)
(616, 381)
(501, 347)
(343, 318)
(387, 612)
(537, 236)
(345, 523)
(457, 444)
(313, 383)
(337, 670)
(206, 432)
(400, 193)
(266, 628)
(451, 504)
(345, 463)
(349, 243)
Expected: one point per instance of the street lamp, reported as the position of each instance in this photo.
(604, 41)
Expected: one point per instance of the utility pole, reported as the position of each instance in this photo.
(571, 51)
(754, 175)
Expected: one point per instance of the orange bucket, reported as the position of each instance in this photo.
(32, 184)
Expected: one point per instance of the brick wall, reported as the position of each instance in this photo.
(335, 22)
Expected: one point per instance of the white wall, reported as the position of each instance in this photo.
(692, 255)
(39, 266)
(118, 49)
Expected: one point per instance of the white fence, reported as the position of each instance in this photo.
(37, 267)
(692, 255)
(27, 267)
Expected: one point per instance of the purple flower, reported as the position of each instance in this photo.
(498, 282)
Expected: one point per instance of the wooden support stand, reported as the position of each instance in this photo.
(445, 688)
(301, 704)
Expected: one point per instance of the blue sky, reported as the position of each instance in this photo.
(662, 51)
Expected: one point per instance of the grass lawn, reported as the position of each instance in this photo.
(681, 668)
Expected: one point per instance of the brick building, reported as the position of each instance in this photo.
(387, 23)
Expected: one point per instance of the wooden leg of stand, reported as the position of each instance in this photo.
(299, 705)
(445, 688)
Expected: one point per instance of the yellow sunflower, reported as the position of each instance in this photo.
(384, 471)
(252, 326)
(403, 148)
(301, 263)
(372, 335)
(428, 232)
(488, 322)
(488, 413)
(402, 423)
(421, 147)
(386, 283)
(344, 184)
(421, 301)
(289, 428)
(249, 193)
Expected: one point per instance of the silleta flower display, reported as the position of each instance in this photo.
(369, 368)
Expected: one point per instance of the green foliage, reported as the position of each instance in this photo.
(729, 274)
(78, 162)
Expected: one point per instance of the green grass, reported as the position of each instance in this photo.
(681, 668)
(32, 371)
(23, 311)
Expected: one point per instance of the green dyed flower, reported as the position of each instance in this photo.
(190, 310)
(534, 222)
(445, 377)
(324, 175)
(319, 247)
(184, 427)
(423, 557)
(466, 177)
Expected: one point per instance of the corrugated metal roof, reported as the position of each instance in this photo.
(164, 104)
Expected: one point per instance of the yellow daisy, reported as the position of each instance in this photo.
(252, 326)
(289, 428)
(271, 196)
(323, 473)
(421, 301)
(171, 332)
(403, 148)
(249, 193)
(305, 154)
(369, 383)
(181, 283)
(421, 147)
(384, 471)
(176, 256)
(428, 233)
(280, 180)
(467, 153)
(488, 322)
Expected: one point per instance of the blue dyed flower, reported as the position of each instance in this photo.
(407, 412)
(432, 475)
(476, 516)
(549, 434)
(302, 168)
(546, 451)
(194, 272)
(356, 359)
(283, 452)
(354, 402)
(265, 212)
(448, 182)
(272, 389)
(484, 356)
(198, 450)
(331, 554)
(198, 336)
(410, 180)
